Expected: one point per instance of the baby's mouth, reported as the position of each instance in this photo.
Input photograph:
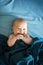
(19, 34)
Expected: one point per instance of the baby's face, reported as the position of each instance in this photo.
(20, 28)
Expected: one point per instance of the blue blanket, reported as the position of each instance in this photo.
(22, 54)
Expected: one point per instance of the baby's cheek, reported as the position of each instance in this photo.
(18, 31)
(25, 32)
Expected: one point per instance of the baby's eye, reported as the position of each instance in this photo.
(23, 29)
(19, 28)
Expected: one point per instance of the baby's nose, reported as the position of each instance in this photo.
(21, 31)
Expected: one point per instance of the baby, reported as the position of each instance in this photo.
(19, 31)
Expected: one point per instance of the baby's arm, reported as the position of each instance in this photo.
(11, 40)
(27, 39)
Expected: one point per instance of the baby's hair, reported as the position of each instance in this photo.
(18, 20)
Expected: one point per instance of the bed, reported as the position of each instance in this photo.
(32, 12)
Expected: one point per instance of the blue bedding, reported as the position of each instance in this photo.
(22, 54)
(30, 10)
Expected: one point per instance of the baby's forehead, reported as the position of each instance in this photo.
(18, 22)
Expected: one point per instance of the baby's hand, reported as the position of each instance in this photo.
(19, 37)
(12, 39)
(27, 39)
(26, 35)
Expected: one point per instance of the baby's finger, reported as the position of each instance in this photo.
(21, 37)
